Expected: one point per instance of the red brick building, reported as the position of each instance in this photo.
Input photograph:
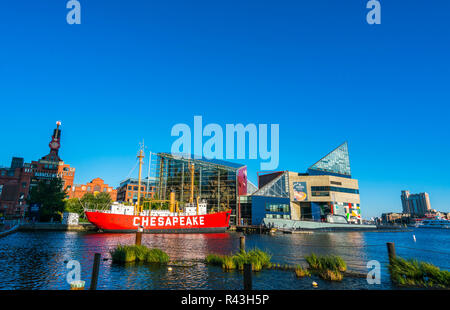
(17, 180)
(97, 185)
(128, 189)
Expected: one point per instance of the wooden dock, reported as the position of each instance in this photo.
(291, 231)
(252, 229)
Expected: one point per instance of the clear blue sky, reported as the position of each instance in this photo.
(133, 69)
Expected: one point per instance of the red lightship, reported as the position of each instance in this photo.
(192, 218)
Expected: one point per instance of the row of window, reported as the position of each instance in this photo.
(277, 207)
(135, 188)
(10, 173)
(320, 194)
(278, 216)
(334, 189)
(97, 189)
(335, 183)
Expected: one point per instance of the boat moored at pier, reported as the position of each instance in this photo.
(192, 217)
(122, 219)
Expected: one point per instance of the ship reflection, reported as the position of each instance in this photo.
(177, 246)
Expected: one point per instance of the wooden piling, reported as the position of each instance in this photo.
(391, 250)
(242, 243)
(95, 270)
(138, 236)
(247, 277)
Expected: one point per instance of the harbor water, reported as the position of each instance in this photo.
(38, 260)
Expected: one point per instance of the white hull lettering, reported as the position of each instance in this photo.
(163, 221)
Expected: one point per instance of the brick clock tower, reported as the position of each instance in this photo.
(55, 143)
(52, 161)
(51, 165)
(17, 180)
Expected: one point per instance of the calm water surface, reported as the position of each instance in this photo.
(37, 260)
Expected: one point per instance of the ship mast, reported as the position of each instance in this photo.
(191, 198)
(140, 157)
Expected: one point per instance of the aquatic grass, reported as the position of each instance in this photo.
(313, 261)
(330, 262)
(301, 272)
(239, 260)
(214, 259)
(228, 263)
(257, 266)
(256, 257)
(331, 275)
(138, 253)
(156, 256)
(412, 273)
(123, 254)
(328, 267)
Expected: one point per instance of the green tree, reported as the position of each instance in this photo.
(98, 201)
(73, 205)
(103, 200)
(50, 194)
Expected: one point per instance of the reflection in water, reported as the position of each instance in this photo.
(38, 260)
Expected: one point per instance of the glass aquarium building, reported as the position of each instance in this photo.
(326, 189)
(218, 182)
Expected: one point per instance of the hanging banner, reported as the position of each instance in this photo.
(242, 181)
(300, 191)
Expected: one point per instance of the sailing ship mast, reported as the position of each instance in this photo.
(140, 156)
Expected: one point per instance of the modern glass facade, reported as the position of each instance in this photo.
(278, 187)
(269, 207)
(213, 180)
(326, 190)
(337, 162)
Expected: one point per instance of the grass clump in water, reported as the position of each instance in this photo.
(257, 258)
(214, 259)
(138, 253)
(330, 262)
(331, 275)
(412, 273)
(156, 256)
(228, 263)
(328, 267)
(301, 272)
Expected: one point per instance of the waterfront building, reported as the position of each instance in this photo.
(415, 204)
(17, 180)
(246, 204)
(392, 217)
(326, 189)
(217, 182)
(128, 189)
(97, 185)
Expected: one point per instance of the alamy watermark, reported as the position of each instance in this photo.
(374, 274)
(74, 15)
(213, 148)
(74, 273)
(374, 15)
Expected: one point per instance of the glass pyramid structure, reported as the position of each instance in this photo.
(278, 187)
(337, 162)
